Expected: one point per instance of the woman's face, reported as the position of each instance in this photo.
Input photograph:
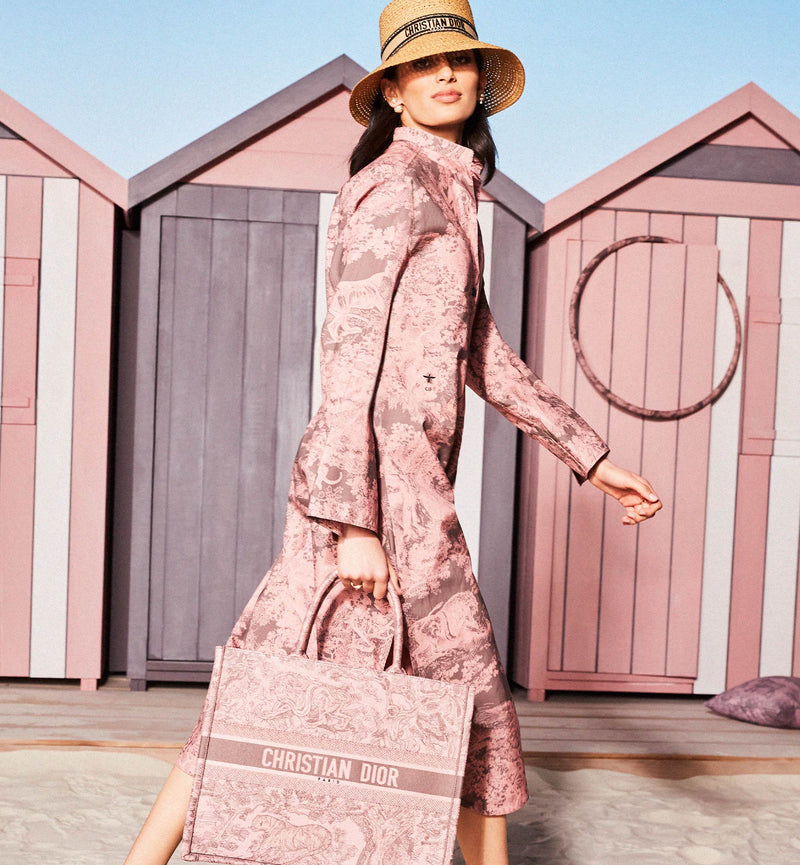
(438, 93)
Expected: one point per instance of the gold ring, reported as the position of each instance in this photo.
(356, 585)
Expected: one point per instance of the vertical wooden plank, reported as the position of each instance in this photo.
(125, 390)
(732, 241)
(567, 265)
(497, 438)
(254, 551)
(2, 256)
(326, 200)
(166, 250)
(21, 326)
(51, 520)
(659, 444)
(796, 653)
(561, 482)
(629, 340)
(300, 208)
(223, 434)
(265, 205)
(787, 409)
(187, 414)
(780, 638)
(757, 432)
(584, 557)
(531, 619)
(296, 351)
(780, 569)
(762, 331)
(140, 413)
(229, 202)
(95, 274)
(17, 455)
(747, 578)
(23, 207)
(24, 217)
(691, 465)
(195, 200)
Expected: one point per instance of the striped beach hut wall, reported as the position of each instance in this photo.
(58, 211)
(222, 298)
(704, 596)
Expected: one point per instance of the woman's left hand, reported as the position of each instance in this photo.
(633, 492)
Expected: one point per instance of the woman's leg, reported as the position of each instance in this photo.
(163, 827)
(482, 839)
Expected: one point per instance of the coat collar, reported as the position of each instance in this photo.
(442, 150)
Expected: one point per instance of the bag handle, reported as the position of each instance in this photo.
(313, 611)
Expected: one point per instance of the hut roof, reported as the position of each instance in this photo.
(16, 121)
(749, 101)
(340, 74)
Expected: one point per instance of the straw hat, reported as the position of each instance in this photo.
(411, 29)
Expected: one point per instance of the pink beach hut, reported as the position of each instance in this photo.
(58, 211)
(222, 297)
(705, 596)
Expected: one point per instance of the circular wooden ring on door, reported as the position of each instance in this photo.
(624, 405)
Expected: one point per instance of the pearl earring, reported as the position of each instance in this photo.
(480, 99)
(398, 107)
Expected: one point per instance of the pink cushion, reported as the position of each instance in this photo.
(773, 701)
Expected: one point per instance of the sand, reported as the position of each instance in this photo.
(84, 807)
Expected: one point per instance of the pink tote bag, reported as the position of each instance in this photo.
(307, 762)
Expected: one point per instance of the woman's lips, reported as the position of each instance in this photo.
(447, 96)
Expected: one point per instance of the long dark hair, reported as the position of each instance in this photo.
(383, 121)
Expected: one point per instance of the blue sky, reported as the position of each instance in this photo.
(133, 80)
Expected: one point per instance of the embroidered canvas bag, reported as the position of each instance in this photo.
(307, 762)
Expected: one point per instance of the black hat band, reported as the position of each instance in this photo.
(423, 26)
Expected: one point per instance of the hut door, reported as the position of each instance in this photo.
(625, 602)
(232, 399)
(19, 307)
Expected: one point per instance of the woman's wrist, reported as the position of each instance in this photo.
(351, 531)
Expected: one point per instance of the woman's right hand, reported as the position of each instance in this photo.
(362, 562)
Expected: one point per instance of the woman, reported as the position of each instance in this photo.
(407, 327)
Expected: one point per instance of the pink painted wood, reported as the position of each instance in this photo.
(796, 659)
(23, 217)
(551, 509)
(560, 482)
(761, 343)
(720, 197)
(757, 435)
(659, 439)
(17, 454)
(20, 329)
(529, 614)
(70, 158)
(310, 152)
(621, 682)
(749, 132)
(746, 101)
(90, 438)
(584, 552)
(747, 579)
(691, 465)
(615, 637)
(20, 159)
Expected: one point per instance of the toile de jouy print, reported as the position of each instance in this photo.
(407, 328)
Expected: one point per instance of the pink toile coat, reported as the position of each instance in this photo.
(407, 328)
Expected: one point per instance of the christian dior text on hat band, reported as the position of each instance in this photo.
(423, 25)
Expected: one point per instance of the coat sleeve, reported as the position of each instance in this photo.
(498, 375)
(368, 246)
